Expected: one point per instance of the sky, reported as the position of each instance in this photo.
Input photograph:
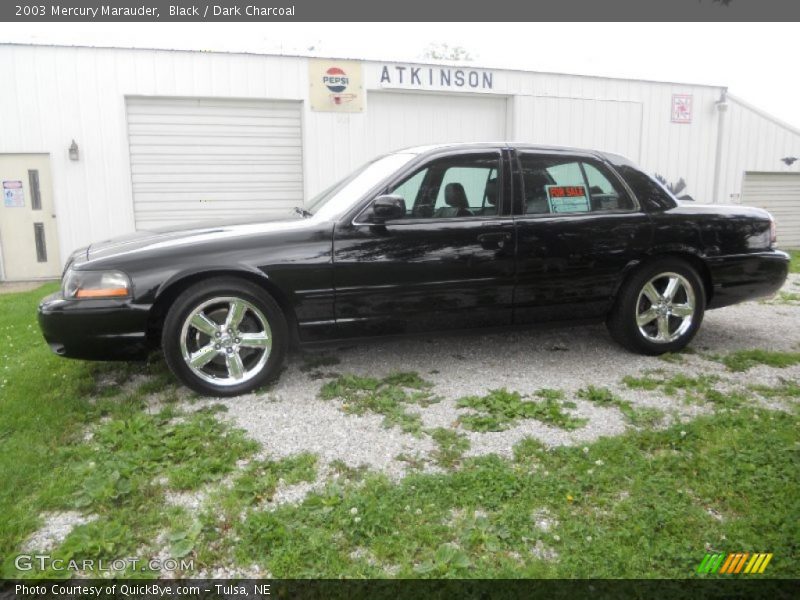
(755, 61)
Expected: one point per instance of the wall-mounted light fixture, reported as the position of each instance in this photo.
(74, 153)
(789, 160)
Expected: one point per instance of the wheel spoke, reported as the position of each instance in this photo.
(682, 310)
(203, 324)
(646, 317)
(203, 356)
(235, 314)
(672, 287)
(255, 340)
(663, 327)
(651, 293)
(234, 363)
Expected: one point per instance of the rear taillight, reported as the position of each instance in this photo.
(773, 232)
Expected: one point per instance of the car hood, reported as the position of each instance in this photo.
(165, 238)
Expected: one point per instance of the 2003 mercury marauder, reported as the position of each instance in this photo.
(434, 238)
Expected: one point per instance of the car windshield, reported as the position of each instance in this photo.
(341, 195)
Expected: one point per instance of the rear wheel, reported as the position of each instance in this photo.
(224, 337)
(659, 308)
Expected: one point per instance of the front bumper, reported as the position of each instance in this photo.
(741, 277)
(94, 329)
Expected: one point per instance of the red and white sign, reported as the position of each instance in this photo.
(567, 198)
(681, 108)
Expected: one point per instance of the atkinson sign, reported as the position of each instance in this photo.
(441, 78)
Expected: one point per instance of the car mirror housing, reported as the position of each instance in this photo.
(388, 207)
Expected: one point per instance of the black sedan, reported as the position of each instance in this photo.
(435, 238)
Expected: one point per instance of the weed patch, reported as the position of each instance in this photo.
(638, 417)
(500, 409)
(388, 397)
(744, 360)
(451, 446)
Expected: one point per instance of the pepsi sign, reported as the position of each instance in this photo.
(336, 80)
(335, 85)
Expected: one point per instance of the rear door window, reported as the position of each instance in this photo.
(569, 185)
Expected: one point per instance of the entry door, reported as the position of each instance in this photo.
(578, 230)
(28, 230)
(448, 264)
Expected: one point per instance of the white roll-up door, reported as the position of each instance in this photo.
(209, 159)
(401, 119)
(779, 193)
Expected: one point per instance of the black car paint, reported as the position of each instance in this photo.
(354, 277)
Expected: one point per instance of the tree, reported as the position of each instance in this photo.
(675, 188)
(443, 51)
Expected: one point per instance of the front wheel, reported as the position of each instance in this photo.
(224, 337)
(659, 308)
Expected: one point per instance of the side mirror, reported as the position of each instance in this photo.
(389, 207)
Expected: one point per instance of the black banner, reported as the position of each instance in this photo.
(749, 587)
(407, 10)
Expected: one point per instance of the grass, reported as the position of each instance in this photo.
(794, 265)
(694, 390)
(388, 397)
(638, 417)
(500, 409)
(451, 446)
(649, 503)
(642, 504)
(744, 360)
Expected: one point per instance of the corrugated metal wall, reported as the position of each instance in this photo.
(753, 141)
(65, 93)
(402, 119)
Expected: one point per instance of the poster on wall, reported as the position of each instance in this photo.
(13, 196)
(335, 85)
(681, 108)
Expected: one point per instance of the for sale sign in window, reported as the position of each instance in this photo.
(567, 198)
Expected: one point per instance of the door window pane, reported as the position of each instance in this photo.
(559, 184)
(465, 186)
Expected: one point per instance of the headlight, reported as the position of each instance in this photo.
(96, 284)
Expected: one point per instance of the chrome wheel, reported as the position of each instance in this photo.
(226, 341)
(665, 308)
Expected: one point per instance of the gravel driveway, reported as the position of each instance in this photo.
(291, 418)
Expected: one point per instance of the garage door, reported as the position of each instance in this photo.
(779, 193)
(397, 120)
(204, 160)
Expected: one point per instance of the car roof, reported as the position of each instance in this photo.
(436, 148)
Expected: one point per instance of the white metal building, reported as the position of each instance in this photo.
(168, 137)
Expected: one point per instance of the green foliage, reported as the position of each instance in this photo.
(259, 480)
(698, 389)
(500, 409)
(638, 417)
(744, 360)
(599, 395)
(387, 397)
(787, 388)
(609, 509)
(126, 454)
(451, 446)
(794, 265)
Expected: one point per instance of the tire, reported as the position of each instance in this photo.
(217, 361)
(637, 319)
